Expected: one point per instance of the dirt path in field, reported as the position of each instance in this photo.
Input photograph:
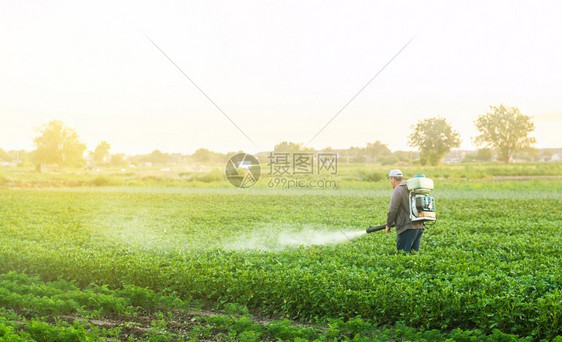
(522, 178)
(175, 322)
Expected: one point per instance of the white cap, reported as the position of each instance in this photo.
(395, 173)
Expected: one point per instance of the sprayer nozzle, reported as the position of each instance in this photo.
(375, 228)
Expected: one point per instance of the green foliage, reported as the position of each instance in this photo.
(58, 144)
(4, 156)
(213, 176)
(3, 179)
(290, 147)
(434, 138)
(488, 270)
(202, 155)
(118, 159)
(101, 180)
(372, 176)
(101, 153)
(350, 176)
(482, 155)
(81, 308)
(157, 157)
(506, 130)
(403, 156)
(390, 160)
(377, 150)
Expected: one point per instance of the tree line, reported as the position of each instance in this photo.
(504, 130)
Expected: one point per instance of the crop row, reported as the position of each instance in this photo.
(60, 311)
(488, 263)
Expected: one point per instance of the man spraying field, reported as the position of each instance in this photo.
(409, 233)
(410, 208)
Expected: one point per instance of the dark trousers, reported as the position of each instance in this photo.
(409, 239)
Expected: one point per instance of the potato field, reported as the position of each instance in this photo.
(167, 263)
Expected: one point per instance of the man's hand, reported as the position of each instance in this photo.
(387, 229)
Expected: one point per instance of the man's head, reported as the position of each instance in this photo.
(395, 177)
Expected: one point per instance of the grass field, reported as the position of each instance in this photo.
(172, 259)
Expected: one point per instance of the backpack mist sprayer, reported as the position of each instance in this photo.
(421, 205)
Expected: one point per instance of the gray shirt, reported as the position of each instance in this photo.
(399, 210)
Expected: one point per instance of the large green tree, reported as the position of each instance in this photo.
(434, 138)
(505, 130)
(101, 153)
(58, 144)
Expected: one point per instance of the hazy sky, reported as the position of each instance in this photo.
(279, 69)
